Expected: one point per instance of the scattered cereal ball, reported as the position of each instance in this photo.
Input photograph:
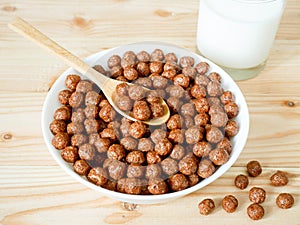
(279, 178)
(72, 81)
(60, 140)
(157, 186)
(97, 176)
(285, 200)
(255, 211)
(178, 182)
(206, 206)
(253, 168)
(229, 203)
(241, 181)
(257, 195)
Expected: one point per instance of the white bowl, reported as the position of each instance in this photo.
(239, 141)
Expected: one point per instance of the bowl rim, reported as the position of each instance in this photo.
(145, 199)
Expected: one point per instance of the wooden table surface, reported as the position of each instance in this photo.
(35, 190)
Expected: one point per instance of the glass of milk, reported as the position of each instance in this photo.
(238, 34)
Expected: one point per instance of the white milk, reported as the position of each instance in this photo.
(238, 33)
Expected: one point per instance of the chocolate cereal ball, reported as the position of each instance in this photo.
(285, 200)
(156, 67)
(202, 68)
(229, 203)
(231, 128)
(135, 170)
(145, 145)
(219, 156)
(171, 57)
(57, 126)
(205, 168)
(254, 168)
(214, 134)
(63, 96)
(107, 113)
(193, 135)
(60, 140)
(133, 186)
(206, 206)
(122, 89)
(81, 167)
(84, 86)
(70, 154)
(141, 110)
(279, 179)
(157, 135)
(188, 165)
(97, 176)
(186, 61)
(137, 129)
(153, 157)
(178, 182)
(231, 109)
(129, 143)
(135, 157)
(114, 60)
(178, 152)
(136, 92)
(62, 113)
(202, 149)
(78, 116)
(124, 103)
(143, 56)
(116, 152)
(163, 147)
(71, 81)
(157, 55)
(87, 151)
(169, 166)
(157, 186)
(153, 171)
(257, 195)
(76, 99)
(255, 211)
(102, 145)
(241, 181)
(181, 80)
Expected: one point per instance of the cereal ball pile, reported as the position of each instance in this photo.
(257, 195)
(132, 157)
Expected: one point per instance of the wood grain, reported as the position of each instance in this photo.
(33, 188)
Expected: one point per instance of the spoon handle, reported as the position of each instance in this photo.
(25, 29)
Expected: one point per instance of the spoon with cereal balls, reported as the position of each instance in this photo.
(126, 98)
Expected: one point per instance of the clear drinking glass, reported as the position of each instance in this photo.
(238, 34)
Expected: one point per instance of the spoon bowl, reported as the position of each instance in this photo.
(106, 84)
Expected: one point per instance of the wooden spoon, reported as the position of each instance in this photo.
(106, 84)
